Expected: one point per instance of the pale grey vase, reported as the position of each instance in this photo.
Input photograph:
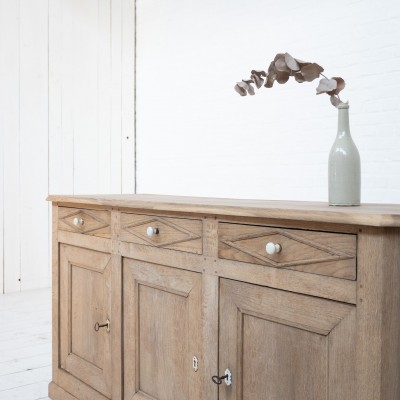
(344, 168)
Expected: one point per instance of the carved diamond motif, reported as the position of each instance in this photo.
(169, 232)
(296, 250)
(91, 222)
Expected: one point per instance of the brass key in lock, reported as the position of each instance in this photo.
(97, 326)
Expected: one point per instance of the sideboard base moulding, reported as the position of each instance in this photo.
(182, 298)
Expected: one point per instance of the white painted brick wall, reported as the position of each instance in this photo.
(196, 136)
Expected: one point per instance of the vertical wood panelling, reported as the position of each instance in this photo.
(67, 109)
(128, 54)
(1, 187)
(61, 156)
(60, 134)
(10, 64)
(33, 146)
(1, 206)
(91, 82)
(116, 101)
(2, 142)
(85, 71)
(104, 79)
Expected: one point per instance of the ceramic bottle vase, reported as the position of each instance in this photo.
(344, 168)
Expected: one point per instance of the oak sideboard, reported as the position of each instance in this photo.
(183, 298)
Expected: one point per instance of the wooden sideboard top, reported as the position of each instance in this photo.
(367, 214)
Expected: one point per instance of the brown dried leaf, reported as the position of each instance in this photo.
(302, 63)
(326, 86)
(278, 56)
(299, 77)
(311, 71)
(271, 68)
(257, 79)
(340, 86)
(270, 80)
(335, 100)
(282, 77)
(249, 88)
(240, 89)
(259, 73)
(291, 62)
(280, 65)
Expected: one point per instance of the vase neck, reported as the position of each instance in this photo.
(343, 122)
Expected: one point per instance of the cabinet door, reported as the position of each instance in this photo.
(85, 299)
(162, 332)
(285, 346)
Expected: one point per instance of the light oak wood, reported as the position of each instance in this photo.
(278, 345)
(76, 387)
(85, 241)
(366, 214)
(116, 309)
(85, 299)
(174, 233)
(57, 393)
(162, 332)
(209, 361)
(378, 315)
(323, 253)
(295, 281)
(320, 320)
(55, 291)
(95, 222)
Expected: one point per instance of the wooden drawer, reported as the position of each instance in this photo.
(88, 222)
(323, 253)
(173, 233)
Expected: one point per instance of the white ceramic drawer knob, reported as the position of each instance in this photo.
(152, 231)
(273, 248)
(78, 221)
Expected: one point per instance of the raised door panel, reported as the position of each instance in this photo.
(85, 299)
(281, 345)
(162, 332)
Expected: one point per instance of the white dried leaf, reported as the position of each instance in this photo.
(326, 85)
(291, 62)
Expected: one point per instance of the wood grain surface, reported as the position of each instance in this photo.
(366, 214)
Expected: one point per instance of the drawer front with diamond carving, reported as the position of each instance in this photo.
(164, 232)
(323, 253)
(88, 222)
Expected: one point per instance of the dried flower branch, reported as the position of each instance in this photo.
(282, 68)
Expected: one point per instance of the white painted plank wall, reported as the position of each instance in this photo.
(2, 142)
(128, 97)
(33, 145)
(10, 111)
(24, 131)
(67, 126)
(91, 92)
